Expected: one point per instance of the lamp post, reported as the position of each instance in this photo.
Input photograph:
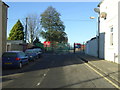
(97, 10)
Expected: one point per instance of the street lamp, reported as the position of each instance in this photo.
(92, 17)
(97, 10)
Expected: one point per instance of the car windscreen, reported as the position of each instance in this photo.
(27, 52)
(9, 55)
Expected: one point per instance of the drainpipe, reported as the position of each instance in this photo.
(115, 56)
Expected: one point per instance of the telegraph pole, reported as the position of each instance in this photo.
(26, 30)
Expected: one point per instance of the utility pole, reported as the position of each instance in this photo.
(26, 30)
(74, 48)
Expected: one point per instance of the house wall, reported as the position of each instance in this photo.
(3, 27)
(0, 29)
(14, 47)
(111, 8)
(119, 31)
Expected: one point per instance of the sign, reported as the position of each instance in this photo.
(77, 45)
(47, 43)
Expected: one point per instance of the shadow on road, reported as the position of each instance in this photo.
(47, 61)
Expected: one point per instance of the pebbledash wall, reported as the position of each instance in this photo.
(109, 26)
(3, 26)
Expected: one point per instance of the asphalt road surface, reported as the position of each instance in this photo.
(54, 71)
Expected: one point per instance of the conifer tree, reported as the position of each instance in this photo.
(17, 32)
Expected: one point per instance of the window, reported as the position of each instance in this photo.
(9, 54)
(21, 54)
(111, 36)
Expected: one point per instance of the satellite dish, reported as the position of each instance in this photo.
(97, 10)
(103, 15)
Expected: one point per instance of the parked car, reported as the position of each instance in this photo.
(14, 59)
(38, 51)
(32, 55)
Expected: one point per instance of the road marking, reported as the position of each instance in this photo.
(44, 75)
(42, 78)
(38, 84)
(103, 76)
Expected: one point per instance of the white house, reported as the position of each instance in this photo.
(110, 27)
(109, 37)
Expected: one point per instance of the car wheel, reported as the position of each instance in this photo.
(34, 59)
(27, 62)
(20, 65)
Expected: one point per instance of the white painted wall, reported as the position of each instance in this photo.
(91, 48)
(111, 8)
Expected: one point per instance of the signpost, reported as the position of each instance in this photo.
(77, 45)
(47, 44)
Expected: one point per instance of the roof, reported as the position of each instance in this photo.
(92, 38)
(4, 3)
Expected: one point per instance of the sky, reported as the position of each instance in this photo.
(75, 15)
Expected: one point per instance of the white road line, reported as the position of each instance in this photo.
(42, 78)
(103, 76)
(38, 84)
(44, 75)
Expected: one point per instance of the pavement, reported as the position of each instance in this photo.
(108, 68)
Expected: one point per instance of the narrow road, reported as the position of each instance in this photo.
(55, 71)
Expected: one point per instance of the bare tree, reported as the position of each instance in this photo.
(33, 27)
